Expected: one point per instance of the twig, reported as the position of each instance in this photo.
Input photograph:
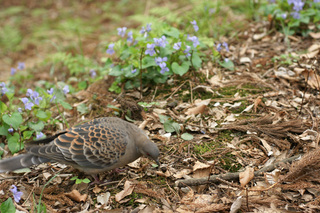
(141, 55)
(230, 176)
(176, 90)
(155, 92)
(191, 92)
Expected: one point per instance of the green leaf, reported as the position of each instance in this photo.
(148, 62)
(82, 85)
(196, 60)
(27, 134)
(171, 126)
(38, 126)
(65, 104)
(14, 120)
(180, 70)
(44, 116)
(14, 144)
(163, 118)
(3, 107)
(82, 108)
(86, 180)
(8, 206)
(115, 71)
(187, 136)
(173, 32)
(228, 65)
(4, 130)
(74, 178)
(1, 150)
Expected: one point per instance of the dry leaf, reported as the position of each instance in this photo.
(103, 198)
(215, 81)
(196, 110)
(96, 189)
(236, 205)
(312, 78)
(315, 35)
(244, 60)
(76, 196)
(201, 170)
(182, 173)
(127, 190)
(199, 165)
(246, 176)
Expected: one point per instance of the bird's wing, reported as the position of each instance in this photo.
(92, 145)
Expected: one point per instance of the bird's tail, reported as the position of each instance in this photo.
(21, 161)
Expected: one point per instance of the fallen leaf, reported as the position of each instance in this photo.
(196, 110)
(312, 78)
(246, 176)
(236, 205)
(200, 165)
(96, 189)
(315, 35)
(182, 173)
(127, 190)
(103, 198)
(215, 81)
(76, 196)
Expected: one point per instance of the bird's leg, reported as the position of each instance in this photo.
(96, 179)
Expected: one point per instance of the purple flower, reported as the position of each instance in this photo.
(27, 104)
(219, 47)
(122, 31)
(150, 50)
(110, 49)
(158, 60)
(34, 96)
(21, 66)
(145, 30)
(16, 194)
(25, 100)
(50, 91)
(162, 64)
(134, 71)
(316, 1)
(130, 37)
(161, 42)
(20, 110)
(291, 1)
(225, 44)
(226, 60)
(295, 15)
(53, 98)
(298, 5)
(10, 130)
(3, 88)
(148, 27)
(66, 89)
(194, 39)
(177, 46)
(29, 92)
(187, 51)
(284, 16)
(93, 73)
(195, 26)
(39, 135)
(13, 71)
